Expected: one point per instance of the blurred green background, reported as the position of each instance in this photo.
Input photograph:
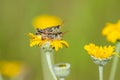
(83, 19)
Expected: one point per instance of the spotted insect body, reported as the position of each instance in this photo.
(50, 33)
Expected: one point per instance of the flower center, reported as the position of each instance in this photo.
(62, 65)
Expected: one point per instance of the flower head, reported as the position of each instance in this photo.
(100, 55)
(112, 32)
(56, 44)
(11, 69)
(48, 30)
(99, 51)
(62, 69)
(46, 21)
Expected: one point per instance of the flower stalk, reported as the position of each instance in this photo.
(1, 77)
(61, 78)
(100, 72)
(47, 62)
(115, 62)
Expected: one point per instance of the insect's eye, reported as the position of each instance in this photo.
(39, 30)
(57, 26)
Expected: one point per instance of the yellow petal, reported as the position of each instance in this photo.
(46, 21)
(64, 43)
(99, 51)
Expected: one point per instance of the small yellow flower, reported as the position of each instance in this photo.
(100, 52)
(112, 32)
(46, 21)
(48, 30)
(11, 69)
(56, 44)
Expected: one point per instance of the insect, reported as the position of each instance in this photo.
(52, 33)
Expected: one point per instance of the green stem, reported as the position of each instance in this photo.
(100, 72)
(61, 78)
(115, 63)
(1, 77)
(47, 62)
(18, 77)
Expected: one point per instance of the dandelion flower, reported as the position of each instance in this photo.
(11, 69)
(48, 30)
(100, 54)
(56, 44)
(112, 32)
(99, 51)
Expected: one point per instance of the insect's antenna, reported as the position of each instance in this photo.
(65, 32)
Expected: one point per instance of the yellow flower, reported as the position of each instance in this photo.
(11, 69)
(48, 30)
(99, 52)
(56, 44)
(46, 21)
(112, 32)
